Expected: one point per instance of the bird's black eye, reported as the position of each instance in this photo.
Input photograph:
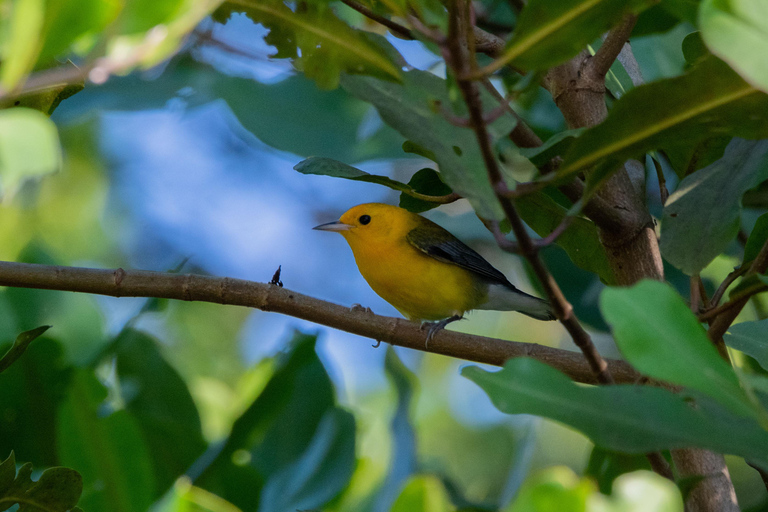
(364, 219)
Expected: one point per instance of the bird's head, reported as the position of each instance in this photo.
(372, 224)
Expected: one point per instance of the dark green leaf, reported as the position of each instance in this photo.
(694, 47)
(329, 167)
(410, 109)
(660, 336)
(320, 473)
(425, 181)
(57, 490)
(556, 145)
(32, 391)
(108, 451)
(605, 466)
(756, 239)
(158, 399)
(631, 419)
(686, 160)
(326, 45)
(20, 346)
(711, 99)
(551, 31)
(751, 338)
(702, 216)
(737, 32)
(580, 240)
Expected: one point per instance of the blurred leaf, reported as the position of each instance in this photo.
(68, 20)
(292, 115)
(276, 429)
(686, 160)
(653, 20)
(659, 335)
(403, 459)
(694, 47)
(411, 107)
(751, 338)
(158, 399)
(321, 45)
(557, 488)
(737, 32)
(320, 473)
(605, 466)
(185, 497)
(20, 346)
(142, 15)
(580, 240)
(549, 32)
(425, 181)
(643, 491)
(32, 390)
(57, 489)
(45, 100)
(21, 42)
(708, 100)
(423, 494)
(702, 216)
(631, 419)
(757, 238)
(108, 451)
(29, 147)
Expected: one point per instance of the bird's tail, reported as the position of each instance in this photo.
(509, 298)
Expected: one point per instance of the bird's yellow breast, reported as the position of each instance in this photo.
(419, 286)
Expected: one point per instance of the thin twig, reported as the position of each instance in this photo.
(268, 297)
(695, 295)
(602, 60)
(728, 281)
(461, 54)
(663, 191)
(395, 28)
(743, 296)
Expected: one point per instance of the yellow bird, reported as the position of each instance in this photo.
(424, 271)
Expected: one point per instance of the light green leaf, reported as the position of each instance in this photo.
(21, 42)
(631, 419)
(20, 346)
(413, 109)
(751, 338)
(423, 494)
(29, 147)
(711, 99)
(660, 336)
(702, 216)
(556, 488)
(320, 44)
(737, 32)
(551, 31)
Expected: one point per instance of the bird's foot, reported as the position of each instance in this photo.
(358, 308)
(435, 327)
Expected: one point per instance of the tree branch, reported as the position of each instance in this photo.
(266, 297)
(459, 49)
(614, 41)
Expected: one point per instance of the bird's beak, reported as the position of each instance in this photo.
(333, 226)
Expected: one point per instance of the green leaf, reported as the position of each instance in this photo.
(757, 238)
(66, 21)
(320, 473)
(20, 346)
(29, 147)
(423, 493)
(410, 107)
(694, 47)
(158, 399)
(751, 338)
(57, 490)
(330, 167)
(551, 31)
(108, 450)
(425, 181)
(556, 488)
(737, 32)
(32, 391)
(605, 466)
(556, 145)
(711, 99)
(631, 419)
(21, 42)
(702, 216)
(321, 45)
(660, 336)
(580, 240)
